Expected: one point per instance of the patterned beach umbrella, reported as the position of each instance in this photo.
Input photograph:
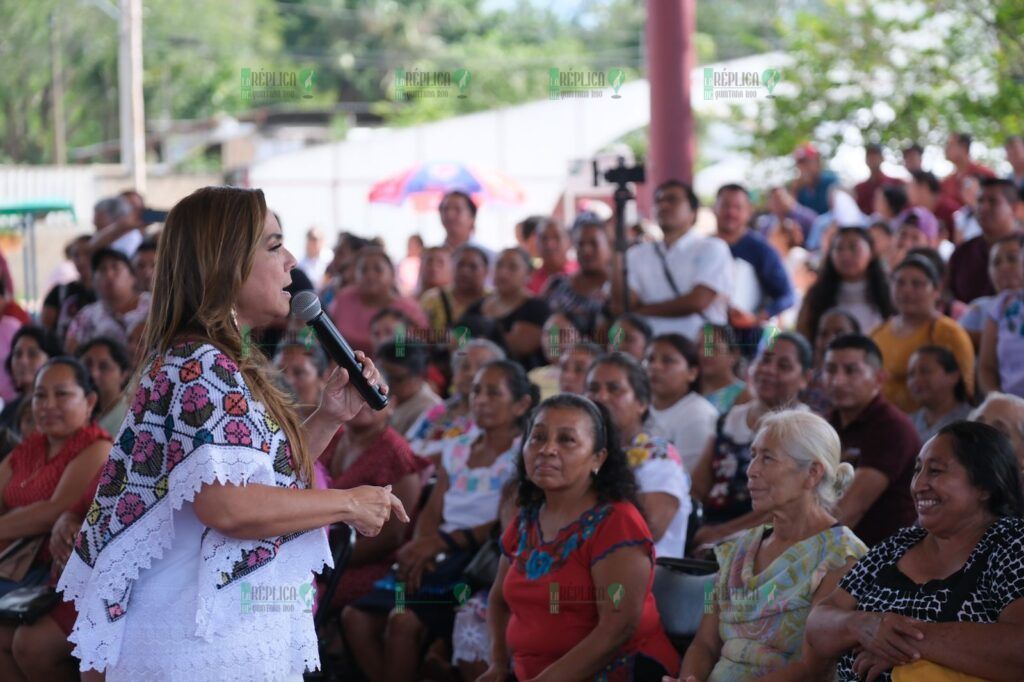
(427, 183)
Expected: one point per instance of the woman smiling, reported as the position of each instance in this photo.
(948, 594)
(780, 371)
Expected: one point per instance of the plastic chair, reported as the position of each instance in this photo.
(680, 592)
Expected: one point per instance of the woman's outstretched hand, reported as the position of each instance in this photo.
(371, 507)
(340, 400)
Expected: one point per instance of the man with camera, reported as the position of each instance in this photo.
(682, 282)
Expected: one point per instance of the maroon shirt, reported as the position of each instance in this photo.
(865, 192)
(882, 438)
(944, 209)
(950, 185)
(968, 270)
(385, 461)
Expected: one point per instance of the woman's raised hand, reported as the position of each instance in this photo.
(371, 507)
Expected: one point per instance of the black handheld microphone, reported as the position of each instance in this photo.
(306, 307)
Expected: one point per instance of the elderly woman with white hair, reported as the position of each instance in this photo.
(1005, 412)
(771, 575)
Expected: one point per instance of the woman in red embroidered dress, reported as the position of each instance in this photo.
(577, 605)
(43, 477)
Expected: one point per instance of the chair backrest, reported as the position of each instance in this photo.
(342, 538)
(681, 597)
(693, 523)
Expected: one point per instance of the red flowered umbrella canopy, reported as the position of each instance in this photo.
(427, 183)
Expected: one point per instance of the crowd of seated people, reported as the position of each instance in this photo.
(822, 399)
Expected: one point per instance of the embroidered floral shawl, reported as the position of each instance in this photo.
(193, 421)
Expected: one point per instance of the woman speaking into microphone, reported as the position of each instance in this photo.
(196, 558)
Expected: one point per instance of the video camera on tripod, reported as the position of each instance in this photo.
(621, 176)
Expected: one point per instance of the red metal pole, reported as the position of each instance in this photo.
(671, 57)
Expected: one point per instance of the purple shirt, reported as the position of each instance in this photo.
(1007, 311)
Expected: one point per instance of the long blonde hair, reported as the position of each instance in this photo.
(205, 253)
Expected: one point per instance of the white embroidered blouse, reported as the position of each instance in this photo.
(159, 595)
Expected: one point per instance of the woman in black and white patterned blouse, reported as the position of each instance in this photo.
(949, 593)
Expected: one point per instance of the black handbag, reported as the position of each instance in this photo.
(26, 605)
(481, 571)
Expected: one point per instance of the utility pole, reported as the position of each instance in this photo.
(132, 109)
(60, 143)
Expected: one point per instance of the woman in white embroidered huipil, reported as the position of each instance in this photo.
(195, 560)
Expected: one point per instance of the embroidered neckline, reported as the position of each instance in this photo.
(536, 558)
(535, 520)
(762, 532)
(463, 450)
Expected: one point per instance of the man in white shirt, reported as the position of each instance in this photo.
(317, 257)
(683, 282)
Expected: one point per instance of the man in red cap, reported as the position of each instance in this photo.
(958, 152)
(813, 183)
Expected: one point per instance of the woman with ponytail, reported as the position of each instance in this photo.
(771, 575)
(205, 522)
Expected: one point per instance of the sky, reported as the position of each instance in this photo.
(565, 8)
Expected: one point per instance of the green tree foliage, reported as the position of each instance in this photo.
(193, 51)
(898, 72)
(360, 43)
